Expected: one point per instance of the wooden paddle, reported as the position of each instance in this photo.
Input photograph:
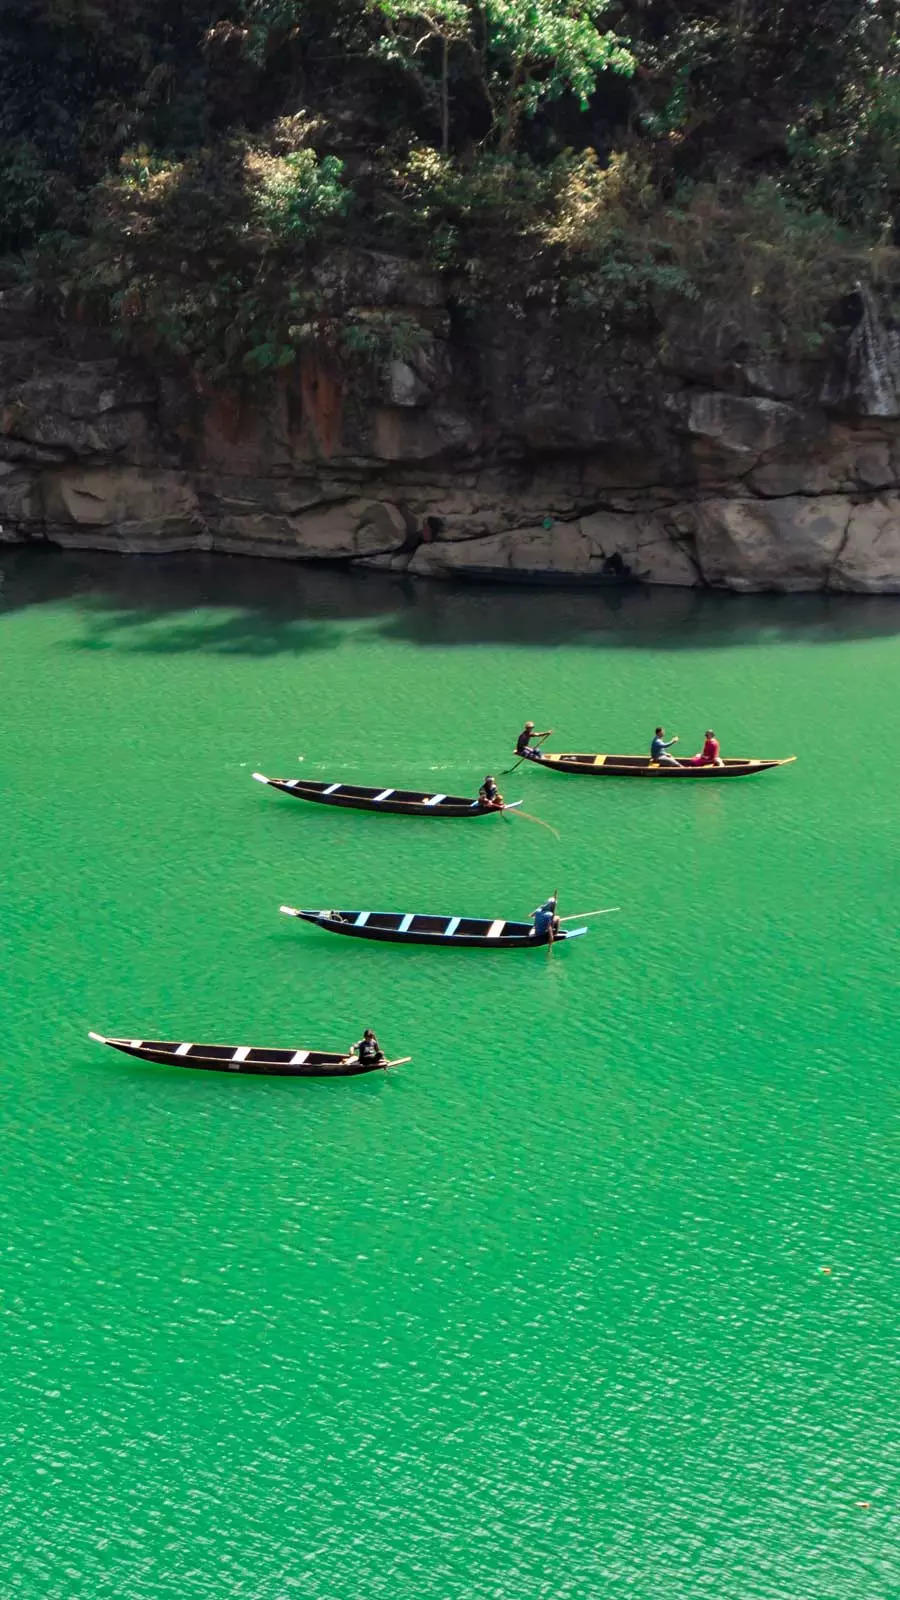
(383, 1065)
(507, 770)
(578, 916)
(551, 941)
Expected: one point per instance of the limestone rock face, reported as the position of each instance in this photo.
(347, 530)
(583, 547)
(790, 543)
(493, 439)
(750, 425)
(869, 559)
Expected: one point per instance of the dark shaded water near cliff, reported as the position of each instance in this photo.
(597, 1295)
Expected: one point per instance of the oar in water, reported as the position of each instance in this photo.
(507, 770)
(579, 916)
(400, 1061)
(539, 820)
(551, 941)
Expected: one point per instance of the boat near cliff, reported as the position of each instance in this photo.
(541, 577)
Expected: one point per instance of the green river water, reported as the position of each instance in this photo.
(597, 1296)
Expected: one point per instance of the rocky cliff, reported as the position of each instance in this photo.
(498, 441)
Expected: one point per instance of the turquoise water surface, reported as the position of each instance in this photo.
(594, 1298)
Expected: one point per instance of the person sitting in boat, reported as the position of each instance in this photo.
(545, 919)
(368, 1050)
(525, 745)
(659, 749)
(709, 756)
(489, 796)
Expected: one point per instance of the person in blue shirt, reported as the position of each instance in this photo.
(489, 796)
(545, 919)
(659, 749)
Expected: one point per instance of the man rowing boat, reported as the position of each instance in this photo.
(545, 919)
(368, 1051)
(525, 745)
(489, 796)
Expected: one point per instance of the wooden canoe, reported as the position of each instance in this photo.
(404, 802)
(600, 766)
(246, 1059)
(399, 927)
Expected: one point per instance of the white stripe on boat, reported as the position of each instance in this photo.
(435, 800)
(242, 1053)
(383, 795)
(362, 919)
(135, 1043)
(452, 926)
(291, 783)
(406, 922)
(298, 1058)
(182, 1050)
(332, 788)
(496, 928)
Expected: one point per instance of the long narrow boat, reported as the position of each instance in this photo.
(409, 927)
(246, 1059)
(405, 802)
(642, 766)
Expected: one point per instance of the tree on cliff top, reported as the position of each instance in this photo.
(514, 54)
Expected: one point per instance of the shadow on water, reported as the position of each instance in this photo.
(169, 604)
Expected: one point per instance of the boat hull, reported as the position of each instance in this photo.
(602, 766)
(453, 932)
(354, 797)
(246, 1062)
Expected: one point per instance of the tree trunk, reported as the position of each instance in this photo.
(445, 95)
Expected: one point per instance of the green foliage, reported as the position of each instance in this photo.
(185, 170)
(267, 21)
(299, 193)
(846, 154)
(378, 336)
(26, 194)
(515, 54)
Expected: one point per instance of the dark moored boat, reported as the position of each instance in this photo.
(406, 802)
(416, 928)
(245, 1059)
(643, 767)
(541, 577)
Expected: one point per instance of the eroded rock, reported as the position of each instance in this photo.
(789, 543)
(499, 440)
(869, 558)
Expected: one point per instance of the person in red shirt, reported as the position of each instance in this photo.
(709, 755)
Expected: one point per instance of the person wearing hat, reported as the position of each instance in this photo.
(525, 745)
(545, 919)
(489, 796)
(709, 755)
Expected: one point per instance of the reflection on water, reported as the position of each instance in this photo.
(274, 606)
